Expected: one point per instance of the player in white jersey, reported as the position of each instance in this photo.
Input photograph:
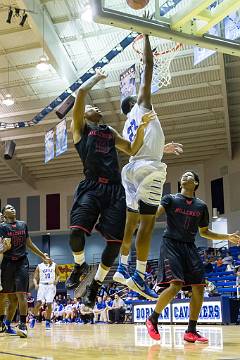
(143, 179)
(45, 279)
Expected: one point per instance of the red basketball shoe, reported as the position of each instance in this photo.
(193, 337)
(152, 330)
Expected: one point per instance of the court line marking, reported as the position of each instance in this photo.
(21, 355)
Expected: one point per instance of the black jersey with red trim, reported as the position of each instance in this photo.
(18, 233)
(98, 153)
(184, 216)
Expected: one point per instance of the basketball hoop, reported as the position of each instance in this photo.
(163, 54)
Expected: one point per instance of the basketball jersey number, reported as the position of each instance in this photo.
(131, 130)
(47, 276)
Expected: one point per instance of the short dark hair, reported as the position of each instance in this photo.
(196, 178)
(126, 104)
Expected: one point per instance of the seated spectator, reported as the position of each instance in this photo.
(109, 304)
(113, 289)
(103, 291)
(86, 314)
(100, 313)
(68, 311)
(132, 295)
(219, 262)
(117, 313)
(58, 311)
(228, 259)
(210, 289)
(208, 266)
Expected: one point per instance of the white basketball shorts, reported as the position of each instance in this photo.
(46, 293)
(143, 180)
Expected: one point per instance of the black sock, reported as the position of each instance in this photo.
(2, 318)
(154, 317)
(23, 319)
(192, 326)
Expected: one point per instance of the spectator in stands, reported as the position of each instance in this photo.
(103, 291)
(100, 313)
(86, 314)
(210, 289)
(68, 311)
(208, 266)
(113, 289)
(228, 260)
(58, 310)
(219, 262)
(117, 313)
(109, 304)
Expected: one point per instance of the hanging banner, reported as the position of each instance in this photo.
(49, 145)
(201, 54)
(232, 26)
(61, 137)
(64, 271)
(128, 83)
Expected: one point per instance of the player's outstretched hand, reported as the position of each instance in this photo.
(173, 148)
(234, 238)
(147, 15)
(149, 116)
(101, 73)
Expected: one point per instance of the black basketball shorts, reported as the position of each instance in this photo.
(180, 261)
(100, 205)
(15, 275)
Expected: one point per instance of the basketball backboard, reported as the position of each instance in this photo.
(209, 24)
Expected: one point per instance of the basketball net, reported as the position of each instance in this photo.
(163, 54)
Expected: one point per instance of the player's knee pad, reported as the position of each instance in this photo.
(110, 253)
(77, 240)
(150, 189)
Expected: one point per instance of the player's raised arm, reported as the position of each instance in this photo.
(144, 94)
(78, 121)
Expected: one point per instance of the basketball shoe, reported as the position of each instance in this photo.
(193, 337)
(74, 279)
(32, 323)
(48, 325)
(91, 293)
(152, 329)
(137, 283)
(22, 330)
(121, 275)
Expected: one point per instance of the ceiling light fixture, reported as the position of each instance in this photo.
(87, 14)
(10, 15)
(24, 18)
(8, 99)
(43, 64)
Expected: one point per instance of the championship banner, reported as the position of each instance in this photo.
(64, 271)
(61, 137)
(49, 145)
(128, 83)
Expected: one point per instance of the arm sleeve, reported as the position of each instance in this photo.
(166, 202)
(205, 217)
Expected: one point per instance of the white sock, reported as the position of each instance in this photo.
(79, 259)
(141, 266)
(101, 273)
(124, 259)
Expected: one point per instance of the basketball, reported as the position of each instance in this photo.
(137, 4)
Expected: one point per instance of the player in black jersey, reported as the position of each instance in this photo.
(180, 262)
(15, 276)
(100, 198)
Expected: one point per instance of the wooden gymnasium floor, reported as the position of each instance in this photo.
(119, 342)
